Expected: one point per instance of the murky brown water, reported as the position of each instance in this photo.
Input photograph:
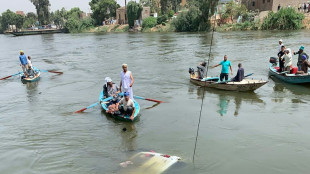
(262, 132)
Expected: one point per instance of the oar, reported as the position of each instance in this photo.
(11, 76)
(230, 79)
(149, 99)
(57, 72)
(81, 110)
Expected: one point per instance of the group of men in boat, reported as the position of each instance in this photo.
(285, 60)
(226, 66)
(26, 65)
(119, 105)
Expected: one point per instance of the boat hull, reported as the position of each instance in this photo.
(29, 80)
(244, 85)
(119, 117)
(289, 78)
(36, 32)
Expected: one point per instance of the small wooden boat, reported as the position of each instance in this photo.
(36, 32)
(214, 82)
(289, 78)
(30, 79)
(148, 162)
(121, 117)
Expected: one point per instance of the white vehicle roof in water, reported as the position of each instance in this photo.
(148, 163)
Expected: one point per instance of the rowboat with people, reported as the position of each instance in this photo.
(214, 82)
(30, 79)
(293, 76)
(104, 102)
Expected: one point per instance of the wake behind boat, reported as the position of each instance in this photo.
(120, 116)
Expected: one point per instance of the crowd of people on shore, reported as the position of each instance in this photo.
(118, 105)
(304, 7)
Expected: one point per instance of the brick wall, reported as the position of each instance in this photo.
(268, 5)
(286, 3)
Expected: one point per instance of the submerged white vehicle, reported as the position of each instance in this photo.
(148, 162)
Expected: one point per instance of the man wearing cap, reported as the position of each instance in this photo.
(24, 62)
(304, 66)
(126, 81)
(300, 53)
(126, 105)
(281, 44)
(109, 88)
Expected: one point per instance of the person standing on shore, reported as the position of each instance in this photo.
(126, 81)
(225, 68)
(24, 62)
(300, 53)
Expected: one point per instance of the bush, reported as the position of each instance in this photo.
(171, 13)
(162, 19)
(149, 22)
(187, 21)
(285, 19)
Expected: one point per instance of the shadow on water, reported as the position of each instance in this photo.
(225, 97)
(128, 132)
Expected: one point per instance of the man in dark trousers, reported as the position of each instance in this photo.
(281, 62)
(240, 74)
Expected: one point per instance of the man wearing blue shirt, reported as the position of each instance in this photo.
(24, 62)
(225, 65)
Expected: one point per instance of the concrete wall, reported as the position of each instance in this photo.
(286, 3)
(121, 16)
(146, 12)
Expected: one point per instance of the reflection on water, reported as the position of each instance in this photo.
(32, 90)
(224, 98)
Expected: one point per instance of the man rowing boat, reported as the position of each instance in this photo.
(225, 65)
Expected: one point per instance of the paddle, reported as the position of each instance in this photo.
(81, 110)
(149, 99)
(57, 72)
(230, 79)
(11, 76)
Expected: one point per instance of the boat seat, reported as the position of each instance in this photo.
(277, 68)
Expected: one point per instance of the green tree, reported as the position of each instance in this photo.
(1, 29)
(19, 21)
(42, 7)
(103, 9)
(59, 17)
(207, 9)
(187, 21)
(164, 6)
(75, 23)
(8, 18)
(30, 20)
(149, 22)
(285, 19)
(134, 12)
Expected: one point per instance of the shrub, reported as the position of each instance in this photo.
(187, 21)
(171, 13)
(162, 19)
(285, 19)
(149, 22)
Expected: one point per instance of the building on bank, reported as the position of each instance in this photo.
(121, 15)
(20, 13)
(271, 5)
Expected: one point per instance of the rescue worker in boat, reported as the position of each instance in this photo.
(126, 105)
(280, 55)
(201, 70)
(304, 66)
(226, 65)
(30, 70)
(126, 81)
(287, 59)
(110, 89)
(300, 53)
(24, 62)
(281, 44)
(240, 74)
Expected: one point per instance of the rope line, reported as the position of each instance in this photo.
(203, 95)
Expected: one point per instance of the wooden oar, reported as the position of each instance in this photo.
(149, 99)
(10, 76)
(230, 79)
(81, 110)
(51, 71)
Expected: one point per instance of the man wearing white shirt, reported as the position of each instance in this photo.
(281, 44)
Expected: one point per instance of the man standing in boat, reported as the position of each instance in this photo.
(24, 62)
(226, 65)
(281, 61)
(126, 81)
(300, 53)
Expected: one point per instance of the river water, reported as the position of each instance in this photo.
(266, 131)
